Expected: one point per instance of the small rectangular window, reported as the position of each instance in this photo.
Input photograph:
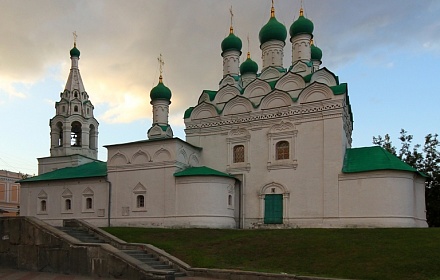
(238, 154)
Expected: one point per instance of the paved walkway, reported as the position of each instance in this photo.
(14, 274)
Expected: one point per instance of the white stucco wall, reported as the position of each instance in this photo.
(202, 201)
(381, 199)
(55, 193)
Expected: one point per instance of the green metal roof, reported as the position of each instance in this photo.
(74, 52)
(339, 89)
(301, 26)
(88, 170)
(231, 42)
(201, 171)
(273, 30)
(210, 93)
(160, 92)
(373, 158)
(188, 112)
(316, 53)
(249, 66)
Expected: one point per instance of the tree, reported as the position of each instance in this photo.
(426, 161)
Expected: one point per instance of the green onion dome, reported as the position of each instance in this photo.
(160, 91)
(74, 52)
(231, 42)
(301, 25)
(249, 66)
(316, 53)
(273, 30)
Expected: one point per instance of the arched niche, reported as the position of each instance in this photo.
(237, 105)
(256, 89)
(324, 76)
(270, 73)
(225, 94)
(276, 99)
(162, 155)
(290, 82)
(204, 111)
(118, 159)
(227, 80)
(315, 92)
(300, 68)
(140, 157)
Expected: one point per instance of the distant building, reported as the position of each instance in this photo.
(9, 193)
(269, 149)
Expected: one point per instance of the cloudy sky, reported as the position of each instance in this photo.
(387, 51)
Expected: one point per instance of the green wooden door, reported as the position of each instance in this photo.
(273, 209)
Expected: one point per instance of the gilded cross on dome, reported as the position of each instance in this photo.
(74, 38)
(161, 64)
(231, 30)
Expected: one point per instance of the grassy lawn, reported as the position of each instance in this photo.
(341, 253)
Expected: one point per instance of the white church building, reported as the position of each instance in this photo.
(268, 149)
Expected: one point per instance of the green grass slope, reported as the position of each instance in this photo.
(341, 253)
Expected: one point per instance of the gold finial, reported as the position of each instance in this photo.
(301, 10)
(161, 64)
(272, 11)
(74, 38)
(248, 55)
(231, 29)
(311, 42)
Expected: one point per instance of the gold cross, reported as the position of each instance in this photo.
(232, 14)
(161, 64)
(74, 37)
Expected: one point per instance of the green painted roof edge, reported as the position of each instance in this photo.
(188, 112)
(308, 78)
(201, 171)
(87, 170)
(373, 158)
(339, 89)
(210, 93)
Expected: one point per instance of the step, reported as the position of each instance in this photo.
(147, 258)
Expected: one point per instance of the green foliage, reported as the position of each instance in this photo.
(426, 161)
(403, 253)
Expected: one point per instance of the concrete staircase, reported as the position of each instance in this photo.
(84, 233)
(81, 234)
(153, 261)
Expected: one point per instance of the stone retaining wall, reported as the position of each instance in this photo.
(27, 243)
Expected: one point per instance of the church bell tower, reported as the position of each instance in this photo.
(73, 129)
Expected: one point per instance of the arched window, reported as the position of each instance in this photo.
(238, 153)
(229, 200)
(43, 205)
(92, 138)
(75, 135)
(64, 109)
(60, 134)
(75, 109)
(140, 201)
(89, 203)
(282, 150)
(68, 204)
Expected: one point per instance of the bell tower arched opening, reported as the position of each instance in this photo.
(75, 134)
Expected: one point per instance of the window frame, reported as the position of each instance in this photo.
(285, 131)
(238, 137)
